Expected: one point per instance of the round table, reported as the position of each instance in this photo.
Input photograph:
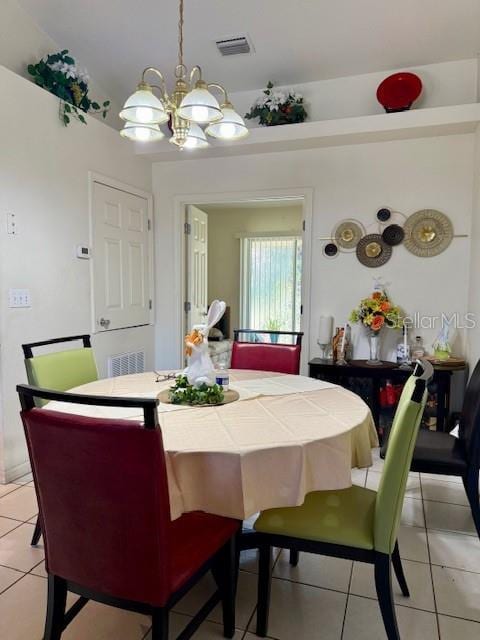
(286, 436)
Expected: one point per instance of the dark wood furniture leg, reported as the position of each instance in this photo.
(37, 534)
(383, 584)
(56, 603)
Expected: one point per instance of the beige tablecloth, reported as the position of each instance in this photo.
(287, 436)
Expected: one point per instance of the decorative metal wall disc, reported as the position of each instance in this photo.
(393, 234)
(348, 233)
(330, 250)
(383, 215)
(427, 233)
(372, 251)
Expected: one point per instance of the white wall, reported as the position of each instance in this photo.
(224, 225)
(44, 181)
(474, 291)
(352, 181)
(23, 42)
(444, 83)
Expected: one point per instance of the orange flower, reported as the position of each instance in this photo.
(376, 295)
(377, 323)
(192, 338)
(385, 306)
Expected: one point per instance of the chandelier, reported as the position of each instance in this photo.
(187, 109)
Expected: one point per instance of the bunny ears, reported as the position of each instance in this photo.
(216, 311)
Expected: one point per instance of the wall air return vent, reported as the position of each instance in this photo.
(125, 363)
(234, 46)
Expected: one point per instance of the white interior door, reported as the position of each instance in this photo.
(121, 264)
(197, 265)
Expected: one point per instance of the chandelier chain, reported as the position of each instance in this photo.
(180, 35)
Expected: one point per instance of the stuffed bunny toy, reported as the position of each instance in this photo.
(200, 368)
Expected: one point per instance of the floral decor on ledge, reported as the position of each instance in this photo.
(278, 106)
(59, 74)
(374, 313)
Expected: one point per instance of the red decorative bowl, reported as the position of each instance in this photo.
(399, 91)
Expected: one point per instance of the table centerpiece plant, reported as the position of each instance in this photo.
(182, 392)
(59, 74)
(278, 106)
(374, 313)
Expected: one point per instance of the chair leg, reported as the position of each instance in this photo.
(56, 603)
(225, 573)
(397, 565)
(36, 534)
(264, 587)
(294, 557)
(470, 482)
(383, 584)
(160, 624)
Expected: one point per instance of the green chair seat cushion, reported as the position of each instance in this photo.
(344, 517)
(62, 370)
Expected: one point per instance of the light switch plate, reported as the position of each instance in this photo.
(19, 298)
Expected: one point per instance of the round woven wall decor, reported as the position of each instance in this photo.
(372, 251)
(428, 232)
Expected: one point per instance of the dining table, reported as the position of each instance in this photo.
(285, 436)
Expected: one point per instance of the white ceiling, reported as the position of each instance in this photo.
(295, 40)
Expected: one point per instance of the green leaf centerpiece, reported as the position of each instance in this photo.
(183, 392)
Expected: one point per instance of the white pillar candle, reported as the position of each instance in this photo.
(343, 338)
(325, 329)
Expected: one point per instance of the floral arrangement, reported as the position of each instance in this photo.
(376, 312)
(184, 393)
(59, 74)
(278, 107)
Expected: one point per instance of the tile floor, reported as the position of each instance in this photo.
(321, 598)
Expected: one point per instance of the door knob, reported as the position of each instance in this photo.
(103, 322)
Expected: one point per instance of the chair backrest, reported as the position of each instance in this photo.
(282, 358)
(469, 430)
(103, 496)
(267, 356)
(60, 370)
(401, 444)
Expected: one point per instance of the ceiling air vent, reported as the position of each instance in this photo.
(234, 46)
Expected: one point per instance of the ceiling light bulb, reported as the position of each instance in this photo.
(199, 114)
(227, 129)
(143, 107)
(231, 127)
(141, 132)
(144, 115)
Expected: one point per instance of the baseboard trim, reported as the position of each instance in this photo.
(12, 474)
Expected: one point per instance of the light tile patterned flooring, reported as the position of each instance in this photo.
(322, 598)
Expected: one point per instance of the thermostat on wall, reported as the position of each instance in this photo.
(83, 252)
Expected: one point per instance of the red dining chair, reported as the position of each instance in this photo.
(267, 356)
(102, 490)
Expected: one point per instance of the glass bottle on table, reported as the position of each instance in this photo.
(418, 350)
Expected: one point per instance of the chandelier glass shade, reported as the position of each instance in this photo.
(188, 106)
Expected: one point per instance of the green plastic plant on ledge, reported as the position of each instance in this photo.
(59, 74)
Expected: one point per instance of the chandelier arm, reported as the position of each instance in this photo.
(198, 70)
(163, 86)
(215, 85)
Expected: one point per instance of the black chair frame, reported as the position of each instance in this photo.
(382, 562)
(224, 565)
(27, 348)
(28, 353)
(297, 334)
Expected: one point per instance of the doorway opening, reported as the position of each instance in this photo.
(250, 254)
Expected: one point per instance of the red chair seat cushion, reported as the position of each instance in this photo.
(282, 358)
(195, 537)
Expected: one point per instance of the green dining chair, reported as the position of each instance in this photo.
(355, 523)
(59, 371)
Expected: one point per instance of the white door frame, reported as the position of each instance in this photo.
(241, 197)
(93, 177)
